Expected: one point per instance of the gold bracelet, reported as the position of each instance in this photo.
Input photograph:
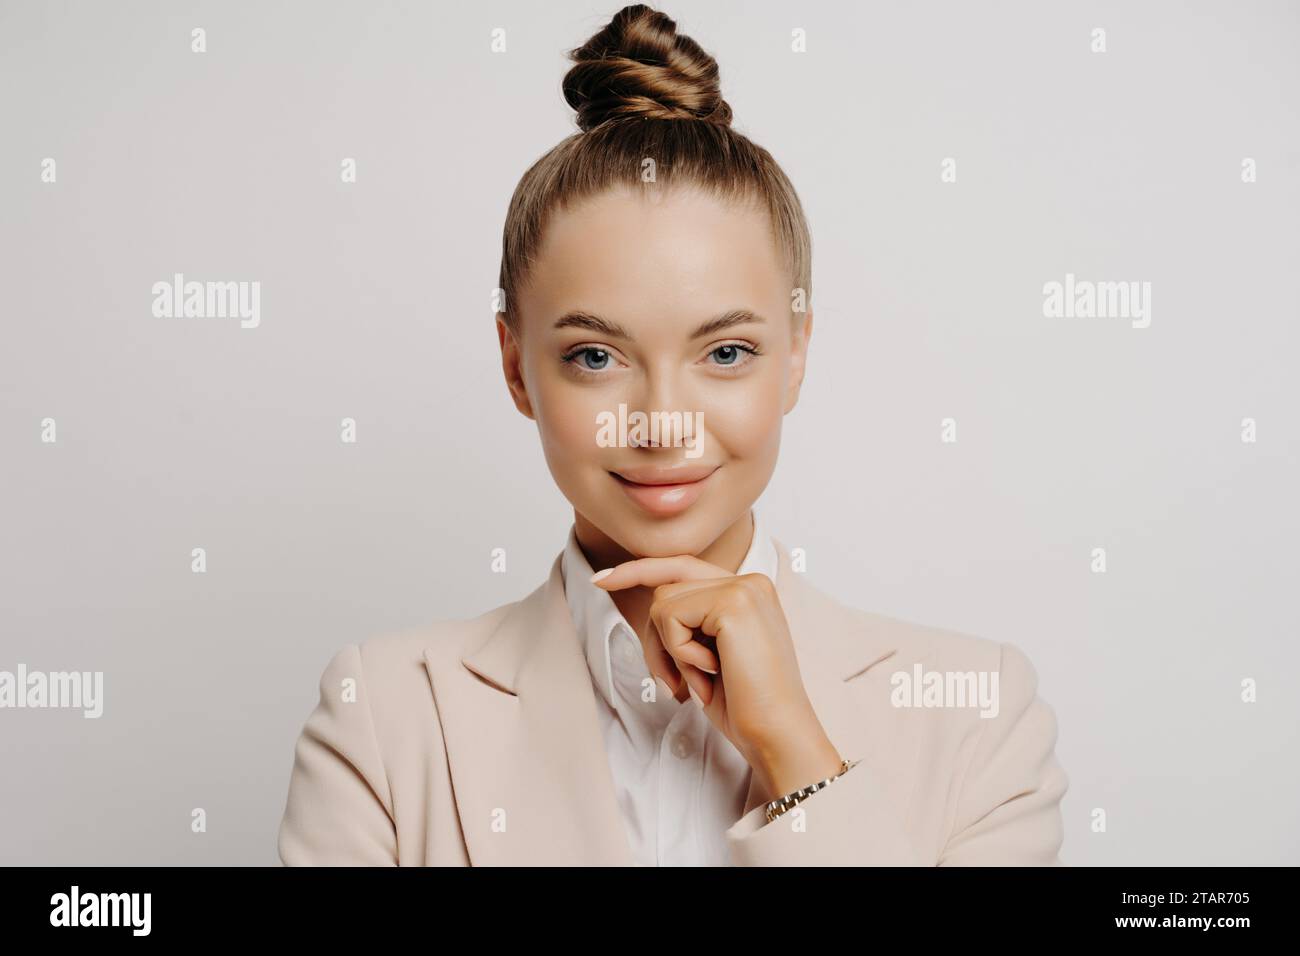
(781, 804)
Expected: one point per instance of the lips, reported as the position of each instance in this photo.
(664, 492)
(673, 475)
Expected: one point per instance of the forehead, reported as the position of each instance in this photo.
(630, 257)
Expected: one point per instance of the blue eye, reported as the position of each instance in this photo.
(733, 355)
(589, 358)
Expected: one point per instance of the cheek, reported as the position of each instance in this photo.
(745, 418)
(567, 420)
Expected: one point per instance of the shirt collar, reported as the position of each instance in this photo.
(596, 617)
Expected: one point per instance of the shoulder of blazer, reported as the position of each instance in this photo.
(393, 668)
(917, 641)
(897, 644)
(855, 640)
(1019, 708)
(949, 651)
(870, 636)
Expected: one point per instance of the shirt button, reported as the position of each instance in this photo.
(682, 746)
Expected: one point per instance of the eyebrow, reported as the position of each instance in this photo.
(586, 320)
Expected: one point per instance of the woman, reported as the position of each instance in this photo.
(675, 693)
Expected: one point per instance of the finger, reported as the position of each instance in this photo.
(719, 695)
(675, 621)
(699, 682)
(660, 662)
(686, 587)
(653, 572)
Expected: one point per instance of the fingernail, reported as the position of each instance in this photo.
(707, 671)
(695, 695)
(601, 574)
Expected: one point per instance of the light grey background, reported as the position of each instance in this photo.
(376, 305)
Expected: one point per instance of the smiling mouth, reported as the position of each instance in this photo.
(664, 492)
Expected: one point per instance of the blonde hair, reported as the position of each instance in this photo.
(643, 91)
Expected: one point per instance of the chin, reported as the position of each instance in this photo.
(687, 533)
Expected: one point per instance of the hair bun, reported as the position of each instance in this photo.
(638, 65)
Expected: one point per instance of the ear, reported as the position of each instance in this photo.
(798, 359)
(512, 366)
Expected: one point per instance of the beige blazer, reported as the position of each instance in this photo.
(476, 743)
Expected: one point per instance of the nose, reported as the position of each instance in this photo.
(658, 397)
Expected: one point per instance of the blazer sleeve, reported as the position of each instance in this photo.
(849, 823)
(1009, 804)
(1007, 808)
(339, 810)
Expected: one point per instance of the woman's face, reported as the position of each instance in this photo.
(678, 305)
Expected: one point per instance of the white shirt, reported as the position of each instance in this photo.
(680, 782)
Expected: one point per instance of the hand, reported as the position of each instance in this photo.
(728, 638)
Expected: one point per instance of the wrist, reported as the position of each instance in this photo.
(798, 758)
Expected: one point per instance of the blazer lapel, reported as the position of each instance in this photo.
(529, 769)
